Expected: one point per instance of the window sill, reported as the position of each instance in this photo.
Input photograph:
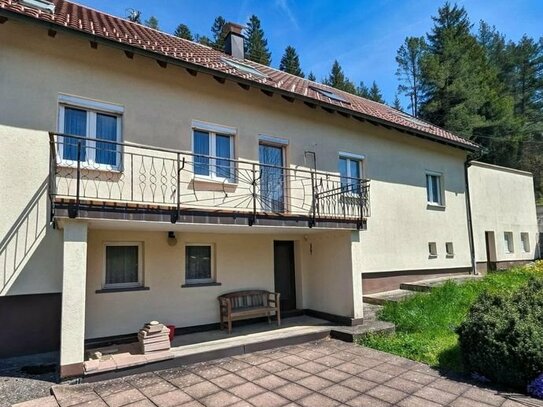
(432, 256)
(190, 285)
(121, 290)
(450, 256)
(85, 165)
(209, 180)
(435, 207)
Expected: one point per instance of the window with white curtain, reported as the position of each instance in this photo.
(198, 263)
(99, 126)
(434, 192)
(214, 153)
(123, 265)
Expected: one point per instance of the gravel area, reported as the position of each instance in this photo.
(27, 377)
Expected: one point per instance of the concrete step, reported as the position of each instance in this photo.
(387, 296)
(429, 284)
(355, 333)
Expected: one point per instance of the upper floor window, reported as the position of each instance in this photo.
(98, 126)
(213, 147)
(350, 171)
(434, 188)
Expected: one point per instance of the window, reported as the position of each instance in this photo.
(350, 169)
(432, 249)
(329, 94)
(244, 68)
(508, 242)
(434, 189)
(449, 249)
(123, 265)
(525, 238)
(93, 121)
(198, 263)
(214, 152)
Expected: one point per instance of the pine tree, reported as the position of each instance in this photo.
(183, 31)
(203, 39)
(152, 22)
(311, 77)
(338, 80)
(362, 90)
(375, 93)
(219, 36)
(397, 104)
(290, 62)
(256, 46)
(409, 57)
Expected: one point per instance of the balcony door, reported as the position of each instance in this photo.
(272, 178)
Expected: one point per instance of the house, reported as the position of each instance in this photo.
(144, 175)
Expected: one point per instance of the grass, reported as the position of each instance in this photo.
(426, 323)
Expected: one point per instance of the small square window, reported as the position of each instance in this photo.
(508, 242)
(434, 193)
(123, 265)
(198, 264)
(432, 249)
(449, 249)
(525, 238)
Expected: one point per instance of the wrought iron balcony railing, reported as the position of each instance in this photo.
(87, 172)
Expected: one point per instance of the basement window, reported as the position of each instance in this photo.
(329, 94)
(244, 68)
(508, 242)
(432, 249)
(449, 249)
(525, 238)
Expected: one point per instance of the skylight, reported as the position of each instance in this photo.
(244, 68)
(330, 94)
(414, 120)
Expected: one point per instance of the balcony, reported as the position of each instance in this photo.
(94, 178)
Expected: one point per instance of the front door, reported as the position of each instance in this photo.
(272, 179)
(285, 282)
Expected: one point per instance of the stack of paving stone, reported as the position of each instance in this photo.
(154, 337)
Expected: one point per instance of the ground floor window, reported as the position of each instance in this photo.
(198, 263)
(508, 242)
(123, 265)
(525, 237)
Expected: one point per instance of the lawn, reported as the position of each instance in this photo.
(426, 323)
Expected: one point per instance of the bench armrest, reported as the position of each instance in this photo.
(273, 298)
(226, 302)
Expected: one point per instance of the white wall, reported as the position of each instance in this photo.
(502, 200)
(30, 249)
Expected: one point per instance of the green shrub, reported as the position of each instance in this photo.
(502, 336)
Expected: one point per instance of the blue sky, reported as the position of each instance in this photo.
(362, 34)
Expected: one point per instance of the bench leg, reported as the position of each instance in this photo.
(269, 317)
(222, 320)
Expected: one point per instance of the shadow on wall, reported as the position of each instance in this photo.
(23, 237)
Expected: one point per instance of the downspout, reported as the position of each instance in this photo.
(473, 271)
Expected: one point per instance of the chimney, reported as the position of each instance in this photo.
(234, 41)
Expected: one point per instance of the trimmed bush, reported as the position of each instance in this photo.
(502, 336)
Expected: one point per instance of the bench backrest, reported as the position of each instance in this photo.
(247, 299)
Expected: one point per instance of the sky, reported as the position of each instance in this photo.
(362, 35)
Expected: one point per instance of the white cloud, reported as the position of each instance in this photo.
(283, 5)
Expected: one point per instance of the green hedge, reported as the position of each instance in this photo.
(502, 336)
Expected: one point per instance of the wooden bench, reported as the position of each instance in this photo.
(242, 304)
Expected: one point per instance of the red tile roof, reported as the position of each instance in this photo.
(105, 26)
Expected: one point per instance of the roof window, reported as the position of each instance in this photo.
(413, 119)
(329, 94)
(43, 5)
(244, 68)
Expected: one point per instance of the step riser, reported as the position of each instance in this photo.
(415, 287)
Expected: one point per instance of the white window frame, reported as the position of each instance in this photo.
(213, 130)
(359, 158)
(508, 244)
(429, 189)
(525, 240)
(213, 277)
(139, 283)
(92, 107)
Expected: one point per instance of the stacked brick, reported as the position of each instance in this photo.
(154, 337)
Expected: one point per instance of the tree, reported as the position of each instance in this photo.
(397, 104)
(219, 36)
(362, 90)
(133, 15)
(375, 93)
(338, 80)
(256, 46)
(311, 77)
(152, 22)
(290, 62)
(203, 39)
(183, 31)
(409, 58)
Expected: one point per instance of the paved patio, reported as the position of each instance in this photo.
(317, 374)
